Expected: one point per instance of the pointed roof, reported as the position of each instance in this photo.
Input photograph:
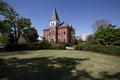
(54, 15)
(64, 24)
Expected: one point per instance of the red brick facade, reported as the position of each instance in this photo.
(58, 32)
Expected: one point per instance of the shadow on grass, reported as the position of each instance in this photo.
(46, 68)
(8, 53)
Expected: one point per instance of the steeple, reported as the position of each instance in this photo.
(54, 15)
(54, 20)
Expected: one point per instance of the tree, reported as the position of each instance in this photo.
(30, 35)
(15, 23)
(3, 39)
(100, 22)
(4, 7)
(108, 35)
(91, 39)
(5, 29)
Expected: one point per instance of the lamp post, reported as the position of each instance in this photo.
(73, 39)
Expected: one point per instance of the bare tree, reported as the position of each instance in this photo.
(100, 22)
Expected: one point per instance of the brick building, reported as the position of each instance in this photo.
(57, 31)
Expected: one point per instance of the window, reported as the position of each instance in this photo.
(44, 33)
(64, 39)
(58, 32)
(64, 32)
(52, 24)
(59, 40)
(49, 33)
(52, 32)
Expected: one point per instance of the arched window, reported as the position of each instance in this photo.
(64, 32)
(64, 40)
(52, 40)
(53, 23)
(52, 32)
(58, 32)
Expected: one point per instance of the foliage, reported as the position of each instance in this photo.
(31, 35)
(45, 45)
(58, 46)
(22, 40)
(79, 41)
(4, 28)
(91, 39)
(19, 47)
(116, 43)
(13, 23)
(15, 47)
(99, 48)
(100, 22)
(108, 35)
(3, 39)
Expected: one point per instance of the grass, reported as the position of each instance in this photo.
(58, 65)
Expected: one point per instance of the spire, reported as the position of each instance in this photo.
(54, 16)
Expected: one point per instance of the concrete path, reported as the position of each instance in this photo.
(69, 48)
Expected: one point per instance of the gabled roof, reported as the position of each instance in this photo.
(64, 24)
(54, 15)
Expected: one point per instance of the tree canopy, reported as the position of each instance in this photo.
(107, 35)
(13, 24)
(100, 22)
(31, 35)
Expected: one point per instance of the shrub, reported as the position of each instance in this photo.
(117, 43)
(45, 45)
(15, 47)
(32, 46)
(58, 46)
(99, 48)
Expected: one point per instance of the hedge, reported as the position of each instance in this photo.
(33, 46)
(99, 48)
(58, 46)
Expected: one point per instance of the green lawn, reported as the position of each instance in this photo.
(58, 65)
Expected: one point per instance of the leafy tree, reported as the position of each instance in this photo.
(3, 39)
(13, 23)
(108, 35)
(91, 39)
(79, 41)
(5, 29)
(100, 22)
(30, 35)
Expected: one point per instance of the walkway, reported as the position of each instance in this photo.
(69, 48)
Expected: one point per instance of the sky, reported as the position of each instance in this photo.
(81, 14)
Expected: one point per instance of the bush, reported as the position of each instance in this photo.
(117, 43)
(34, 46)
(58, 46)
(15, 47)
(99, 48)
(45, 45)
